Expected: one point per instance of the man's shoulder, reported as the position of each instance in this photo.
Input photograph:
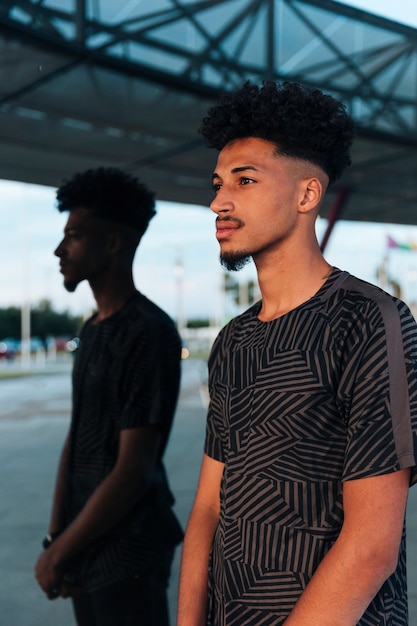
(142, 311)
(344, 287)
(238, 326)
(143, 322)
(355, 299)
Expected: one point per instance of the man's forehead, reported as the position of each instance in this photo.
(246, 153)
(79, 217)
(79, 212)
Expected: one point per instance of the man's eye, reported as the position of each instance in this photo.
(216, 186)
(72, 234)
(246, 181)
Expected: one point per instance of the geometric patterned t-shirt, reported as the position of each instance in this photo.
(324, 394)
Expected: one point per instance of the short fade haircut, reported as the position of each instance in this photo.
(109, 193)
(303, 123)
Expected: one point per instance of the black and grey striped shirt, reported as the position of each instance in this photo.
(324, 394)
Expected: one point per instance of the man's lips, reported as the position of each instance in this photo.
(225, 228)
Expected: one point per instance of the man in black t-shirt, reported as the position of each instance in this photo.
(112, 532)
(311, 439)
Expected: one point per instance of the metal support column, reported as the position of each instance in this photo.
(335, 213)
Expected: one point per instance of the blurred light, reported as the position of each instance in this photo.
(72, 344)
(185, 353)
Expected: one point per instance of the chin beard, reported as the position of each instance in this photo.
(234, 262)
(70, 285)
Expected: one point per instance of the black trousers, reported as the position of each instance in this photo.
(136, 602)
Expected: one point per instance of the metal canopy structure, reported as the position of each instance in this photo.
(85, 83)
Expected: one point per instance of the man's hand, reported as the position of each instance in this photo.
(48, 575)
(67, 590)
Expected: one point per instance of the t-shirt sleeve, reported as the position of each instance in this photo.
(215, 444)
(149, 380)
(378, 391)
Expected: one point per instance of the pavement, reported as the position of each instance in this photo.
(34, 418)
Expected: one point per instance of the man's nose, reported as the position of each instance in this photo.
(221, 203)
(58, 249)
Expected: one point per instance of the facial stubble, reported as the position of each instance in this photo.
(234, 261)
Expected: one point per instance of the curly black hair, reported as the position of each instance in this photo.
(303, 123)
(110, 193)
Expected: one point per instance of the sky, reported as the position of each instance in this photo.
(400, 11)
(178, 236)
(177, 262)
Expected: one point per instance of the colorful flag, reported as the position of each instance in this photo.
(410, 246)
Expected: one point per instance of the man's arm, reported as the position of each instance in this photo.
(204, 518)
(57, 521)
(116, 495)
(57, 516)
(362, 558)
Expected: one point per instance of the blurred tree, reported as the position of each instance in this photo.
(45, 322)
(242, 294)
(10, 321)
(385, 281)
(198, 323)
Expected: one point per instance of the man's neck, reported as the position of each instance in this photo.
(112, 296)
(285, 287)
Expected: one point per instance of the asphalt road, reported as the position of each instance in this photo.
(34, 417)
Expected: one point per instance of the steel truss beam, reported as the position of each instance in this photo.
(209, 45)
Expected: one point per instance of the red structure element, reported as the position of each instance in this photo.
(335, 213)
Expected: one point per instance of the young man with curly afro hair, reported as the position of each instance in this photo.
(112, 532)
(311, 437)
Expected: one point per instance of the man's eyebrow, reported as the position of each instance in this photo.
(236, 170)
(68, 229)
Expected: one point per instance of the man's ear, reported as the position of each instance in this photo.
(311, 194)
(114, 241)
